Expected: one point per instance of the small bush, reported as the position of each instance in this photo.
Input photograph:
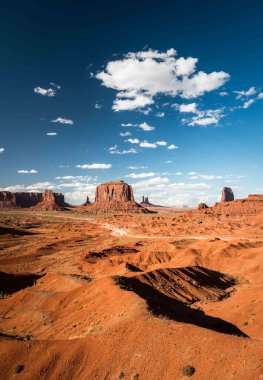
(188, 370)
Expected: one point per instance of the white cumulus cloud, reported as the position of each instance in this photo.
(51, 133)
(94, 166)
(141, 76)
(25, 171)
(2, 150)
(45, 92)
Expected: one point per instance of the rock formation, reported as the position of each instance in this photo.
(227, 194)
(7, 199)
(114, 196)
(145, 203)
(202, 206)
(87, 202)
(25, 200)
(51, 202)
(255, 197)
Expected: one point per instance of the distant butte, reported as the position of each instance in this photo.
(114, 196)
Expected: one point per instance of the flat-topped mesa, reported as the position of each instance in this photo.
(227, 194)
(51, 202)
(114, 196)
(114, 191)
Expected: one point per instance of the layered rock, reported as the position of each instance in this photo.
(227, 194)
(51, 202)
(114, 196)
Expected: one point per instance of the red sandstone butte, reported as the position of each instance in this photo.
(114, 196)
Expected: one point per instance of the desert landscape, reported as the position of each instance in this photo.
(112, 290)
(131, 190)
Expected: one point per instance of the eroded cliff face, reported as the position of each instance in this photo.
(7, 199)
(25, 200)
(114, 191)
(51, 202)
(114, 196)
(42, 201)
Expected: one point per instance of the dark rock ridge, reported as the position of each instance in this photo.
(227, 194)
(114, 196)
(46, 200)
(202, 206)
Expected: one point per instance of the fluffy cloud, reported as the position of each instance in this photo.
(146, 127)
(223, 93)
(45, 92)
(172, 147)
(125, 134)
(160, 114)
(248, 103)
(23, 171)
(140, 175)
(133, 141)
(97, 106)
(51, 133)
(191, 107)
(94, 166)
(2, 150)
(114, 150)
(161, 143)
(140, 76)
(62, 120)
(146, 144)
(207, 117)
(249, 92)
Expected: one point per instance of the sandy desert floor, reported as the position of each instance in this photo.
(135, 297)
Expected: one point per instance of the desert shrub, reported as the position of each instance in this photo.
(188, 370)
(19, 368)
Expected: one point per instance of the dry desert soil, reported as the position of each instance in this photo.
(136, 297)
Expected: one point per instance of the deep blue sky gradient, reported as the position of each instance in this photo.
(56, 41)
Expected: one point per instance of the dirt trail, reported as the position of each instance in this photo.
(126, 233)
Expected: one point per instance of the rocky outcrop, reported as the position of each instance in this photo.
(114, 196)
(51, 202)
(202, 206)
(227, 194)
(255, 197)
(145, 202)
(87, 202)
(7, 199)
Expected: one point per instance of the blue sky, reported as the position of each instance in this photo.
(165, 95)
